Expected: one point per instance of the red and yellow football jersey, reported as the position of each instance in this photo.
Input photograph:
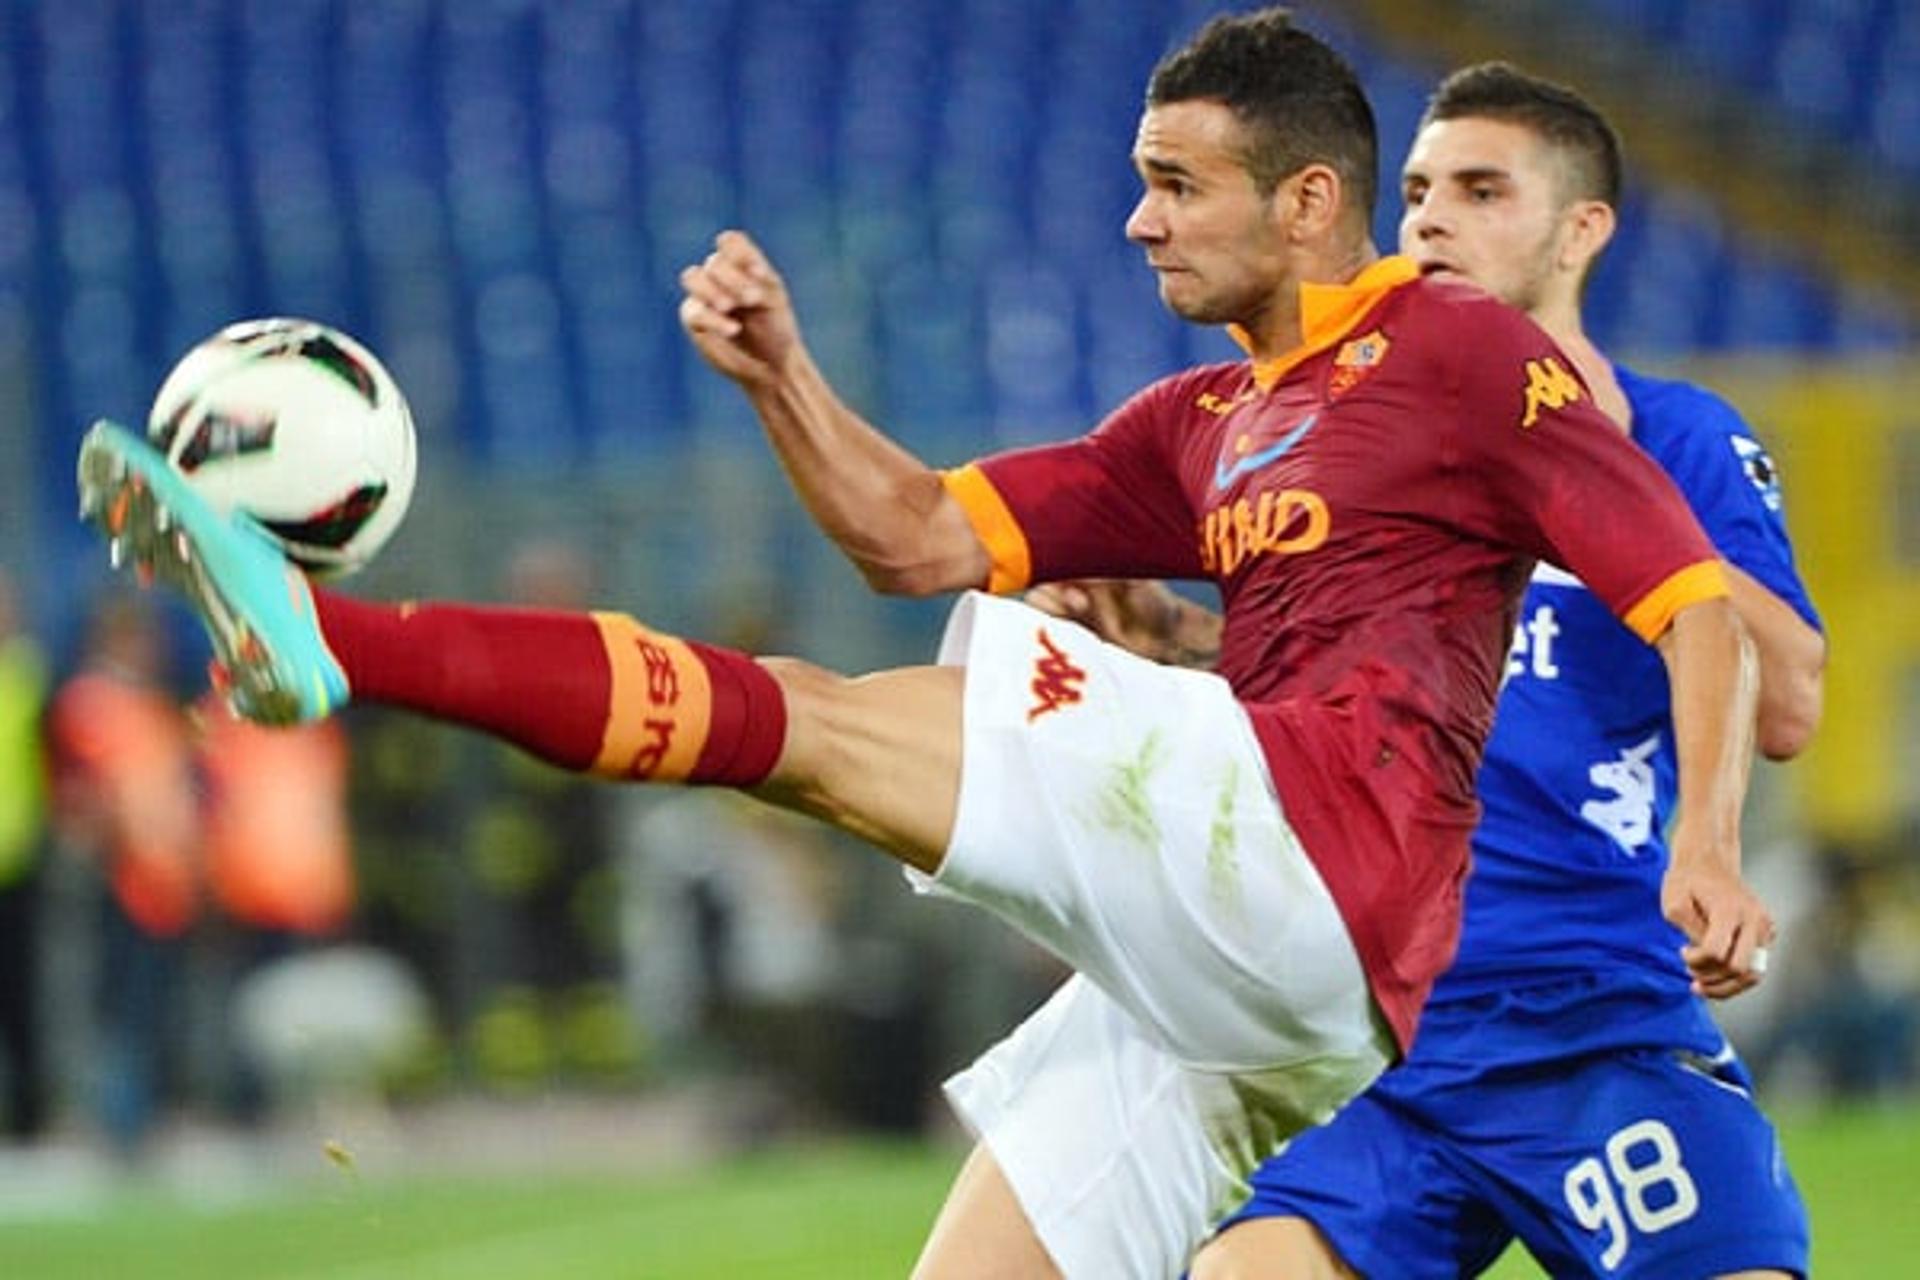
(1370, 506)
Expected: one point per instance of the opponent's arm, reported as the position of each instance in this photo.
(1714, 678)
(1792, 658)
(1557, 480)
(886, 510)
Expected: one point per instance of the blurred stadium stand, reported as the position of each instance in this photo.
(498, 194)
(1794, 119)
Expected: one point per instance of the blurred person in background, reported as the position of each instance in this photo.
(409, 794)
(538, 855)
(279, 859)
(23, 817)
(126, 801)
(733, 954)
(730, 919)
(1846, 1022)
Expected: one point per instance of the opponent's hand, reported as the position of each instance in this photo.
(1728, 928)
(1142, 617)
(737, 311)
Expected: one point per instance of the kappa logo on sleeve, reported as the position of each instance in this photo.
(1220, 406)
(1549, 386)
(1056, 681)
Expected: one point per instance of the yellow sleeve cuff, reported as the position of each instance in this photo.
(1000, 533)
(1652, 614)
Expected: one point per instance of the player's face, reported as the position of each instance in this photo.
(1483, 201)
(1209, 235)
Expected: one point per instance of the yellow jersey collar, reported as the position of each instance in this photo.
(1328, 313)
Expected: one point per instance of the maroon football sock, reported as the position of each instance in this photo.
(590, 692)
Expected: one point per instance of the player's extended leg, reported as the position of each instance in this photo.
(878, 756)
(982, 1230)
(1211, 926)
(1271, 1247)
(1100, 1153)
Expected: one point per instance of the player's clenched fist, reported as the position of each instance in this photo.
(737, 311)
(1726, 925)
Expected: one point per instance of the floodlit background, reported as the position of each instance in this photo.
(529, 975)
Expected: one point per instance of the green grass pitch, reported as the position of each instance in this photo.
(829, 1212)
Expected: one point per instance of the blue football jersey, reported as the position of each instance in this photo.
(1563, 1067)
(1579, 778)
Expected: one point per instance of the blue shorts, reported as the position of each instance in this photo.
(1644, 1162)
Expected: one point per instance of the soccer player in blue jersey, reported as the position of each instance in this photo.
(1566, 1086)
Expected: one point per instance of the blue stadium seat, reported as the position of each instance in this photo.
(1827, 64)
(1736, 42)
(930, 367)
(1775, 304)
(1893, 124)
(1655, 21)
(1816, 72)
(1033, 352)
(1130, 337)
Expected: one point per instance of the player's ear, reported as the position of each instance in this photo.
(1589, 225)
(1308, 202)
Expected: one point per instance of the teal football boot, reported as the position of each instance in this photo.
(256, 606)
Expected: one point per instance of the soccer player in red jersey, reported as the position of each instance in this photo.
(1261, 867)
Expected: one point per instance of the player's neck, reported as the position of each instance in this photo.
(1280, 330)
(1563, 325)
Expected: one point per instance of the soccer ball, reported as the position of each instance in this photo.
(300, 427)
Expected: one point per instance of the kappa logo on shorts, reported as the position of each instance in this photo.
(1056, 681)
(1549, 387)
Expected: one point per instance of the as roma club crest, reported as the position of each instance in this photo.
(1355, 360)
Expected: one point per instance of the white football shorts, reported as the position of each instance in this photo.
(1122, 1158)
(1120, 813)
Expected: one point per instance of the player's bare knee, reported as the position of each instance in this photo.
(813, 697)
(808, 686)
(1271, 1249)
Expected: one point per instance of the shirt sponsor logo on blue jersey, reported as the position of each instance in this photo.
(1532, 651)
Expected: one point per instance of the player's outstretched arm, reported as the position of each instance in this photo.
(1711, 666)
(888, 511)
(1793, 658)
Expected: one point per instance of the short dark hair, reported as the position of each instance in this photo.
(1561, 117)
(1299, 101)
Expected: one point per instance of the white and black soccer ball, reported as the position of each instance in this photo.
(299, 426)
